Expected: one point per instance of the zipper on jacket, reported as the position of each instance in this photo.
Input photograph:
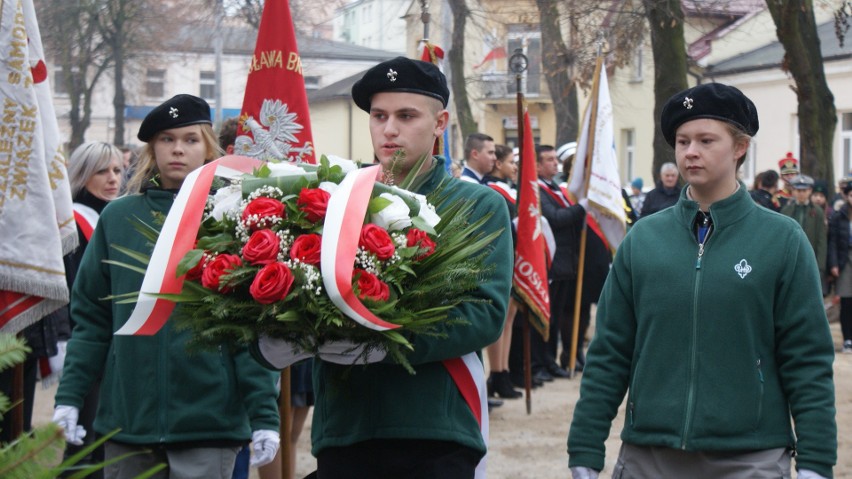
(690, 396)
(760, 397)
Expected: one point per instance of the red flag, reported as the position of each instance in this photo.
(275, 122)
(530, 279)
(494, 54)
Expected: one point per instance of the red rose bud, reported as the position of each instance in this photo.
(370, 286)
(221, 264)
(272, 283)
(422, 240)
(194, 274)
(306, 249)
(377, 241)
(313, 202)
(262, 247)
(260, 209)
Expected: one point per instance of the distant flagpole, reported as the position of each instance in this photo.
(275, 122)
(594, 177)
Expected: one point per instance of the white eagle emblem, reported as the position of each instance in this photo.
(274, 134)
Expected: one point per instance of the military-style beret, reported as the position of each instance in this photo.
(401, 75)
(709, 100)
(177, 111)
(802, 182)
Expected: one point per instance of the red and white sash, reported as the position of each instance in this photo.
(86, 218)
(505, 191)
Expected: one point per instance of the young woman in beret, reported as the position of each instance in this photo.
(712, 322)
(191, 411)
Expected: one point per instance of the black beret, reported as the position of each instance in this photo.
(401, 75)
(709, 100)
(177, 111)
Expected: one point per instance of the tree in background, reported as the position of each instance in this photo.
(455, 57)
(558, 66)
(796, 29)
(665, 21)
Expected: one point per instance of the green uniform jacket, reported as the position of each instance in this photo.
(382, 400)
(152, 388)
(717, 351)
(812, 220)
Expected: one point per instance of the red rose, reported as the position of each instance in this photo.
(313, 202)
(377, 241)
(306, 249)
(422, 240)
(221, 264)
(262, 247)
(272, 283)
(260, 209)
(370, 286)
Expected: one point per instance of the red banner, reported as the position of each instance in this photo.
(530, 279)
(275, 122)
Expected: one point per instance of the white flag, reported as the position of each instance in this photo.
(36, 217)
(604, 188)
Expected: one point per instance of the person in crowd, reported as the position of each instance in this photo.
(838, 264)
(712, 322)
(129, 159)
(566, 221)
(665, 194)
(819, 197)
(95, 172)
(419, 424)
(809, 216)
(479, 158)
(788, 167)
(503, 179)
(765, 190)
(637, 196)
(190, 410)
(228, 135)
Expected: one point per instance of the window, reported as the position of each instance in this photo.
(846, 140)
(637, 64)
(155, 83)
(528, 39)
(60, 79)
(628, 137)
(207, 85)
(312, 82)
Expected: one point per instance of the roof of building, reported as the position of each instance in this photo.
(771, 56)
(337, 90)
(194, 38)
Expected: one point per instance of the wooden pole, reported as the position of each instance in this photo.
(527, 362)
(17, 399)
(285, 412)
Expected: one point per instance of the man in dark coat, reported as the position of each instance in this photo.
(665, 194)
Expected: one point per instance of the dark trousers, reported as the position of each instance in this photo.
(846, 318)
(397, 459)
(562, 300)
(538, 351)
(6, 383)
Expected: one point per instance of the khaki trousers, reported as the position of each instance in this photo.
(650, 462)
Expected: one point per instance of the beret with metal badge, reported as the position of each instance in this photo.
(401, 75)
(716, 101)
(177, 111)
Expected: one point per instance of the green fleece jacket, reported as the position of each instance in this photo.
(382, 400)
(717, 351)
(153, 389)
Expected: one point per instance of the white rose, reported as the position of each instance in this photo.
(393, 217)
(328, 187)
(428, 214)
(225, 200)
(283, 168)
(347, 165)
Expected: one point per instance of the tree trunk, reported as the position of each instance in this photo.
(557, 63)
(455, 56)
(118, 101)
(665, 20)
(796, 29)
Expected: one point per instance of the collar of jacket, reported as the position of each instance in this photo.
(724, 212)
(437, 176)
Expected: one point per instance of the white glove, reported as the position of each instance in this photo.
(348, 352)
(66, 417)
(264, 445)
(58, 361)
(808, 474)
(583, 473)
(280, 353)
